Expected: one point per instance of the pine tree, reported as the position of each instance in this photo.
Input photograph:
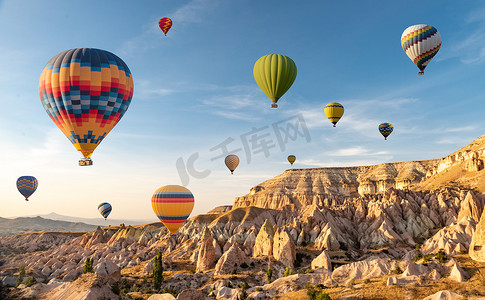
(88, 266)
(21, 276)
(157, 272)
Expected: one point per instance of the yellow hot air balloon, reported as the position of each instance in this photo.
(291, 159)
(334, 111)
(172, 204)
(274, 74)
(232, 161)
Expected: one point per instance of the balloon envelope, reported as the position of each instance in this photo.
(274, 74)
(104, 209)
(334, 111)
(85, 92)
(232, 161)
(291, 159)
(172, 204)
(386, 129)
(27, 185)
(421, 43)
(165, 24)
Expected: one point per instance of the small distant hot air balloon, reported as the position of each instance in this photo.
(86, 92)
(386, 129)
(421, 43)
(165, 24)
(274, 74)
(172, 204)
(291, 159)
(334, 111)
(232, 161)
(27, 186)
(104, 209)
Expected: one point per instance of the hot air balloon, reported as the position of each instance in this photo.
(274, 74)
(104, 209)
(334, 111)
(386, 129)
(291, 159)
(165, 24)
(86, 91)
(232, 161)
(421, 43)
(27, 186)
(172, 204)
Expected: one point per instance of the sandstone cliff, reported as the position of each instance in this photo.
(298, 188)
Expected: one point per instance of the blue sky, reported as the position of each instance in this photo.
(194, 90)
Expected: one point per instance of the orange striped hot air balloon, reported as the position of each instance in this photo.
(172, 204)
(165, 24)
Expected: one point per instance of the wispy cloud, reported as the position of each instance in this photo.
(228, 102)
(148, 89)
(468, 46)
(460, 129)
(358, 150)
(194, 11)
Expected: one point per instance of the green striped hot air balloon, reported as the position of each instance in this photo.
(274, 74)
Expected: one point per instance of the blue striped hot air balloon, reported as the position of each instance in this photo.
(386, 129)
(27, 186)
(172, 204)
(104, 209)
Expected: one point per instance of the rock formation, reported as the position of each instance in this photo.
(322, 261)
(264, 241)
(477, 244)
(206, 257)
(231, 260)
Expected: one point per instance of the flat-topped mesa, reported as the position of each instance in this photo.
(297, 188)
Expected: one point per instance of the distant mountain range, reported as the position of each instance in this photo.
(56, 222)
(38, 224)
(93, 221)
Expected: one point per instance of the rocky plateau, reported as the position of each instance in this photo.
(405, 230)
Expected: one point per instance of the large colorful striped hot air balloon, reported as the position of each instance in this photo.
(334, 111)
(421, 43)
(274, 74)
(27, 186)
(86, 92)
(165, 24)
(231, 161)
(104, 209)
(386, 129)
(172, 204)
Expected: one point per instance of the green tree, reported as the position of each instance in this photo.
(21, 276)
(288, 272)
(441, 256)
(29, 281)
(157, 272)
(269, 274)
(88, 266)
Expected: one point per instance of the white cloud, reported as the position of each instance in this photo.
(194, 11)
(358, 150)
(460, 129)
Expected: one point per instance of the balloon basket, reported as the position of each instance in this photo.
(274, 105)
(85, 162)
(421, 73)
